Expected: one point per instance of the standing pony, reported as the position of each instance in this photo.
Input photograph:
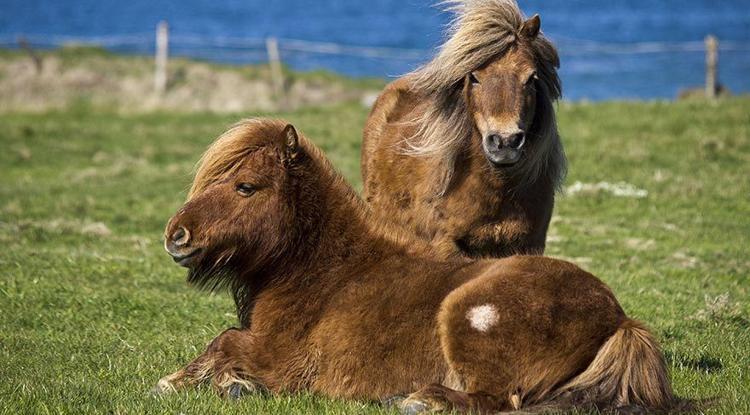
(465, 152)
(332, 303)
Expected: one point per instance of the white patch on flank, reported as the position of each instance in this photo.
(482, 317)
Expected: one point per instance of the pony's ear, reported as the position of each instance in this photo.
(291, 141)
(530, 28)
(468, 85)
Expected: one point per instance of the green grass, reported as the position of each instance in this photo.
(93, 313)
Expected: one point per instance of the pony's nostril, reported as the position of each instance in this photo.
(516, 141)
(180, 236)
(496, 140)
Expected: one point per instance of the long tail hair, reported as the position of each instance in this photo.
(628, 375)
(628, 372)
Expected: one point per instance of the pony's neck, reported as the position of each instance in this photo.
(343, 225)
(341, 229)
(339, 233)
(330, 228)
(334, 223)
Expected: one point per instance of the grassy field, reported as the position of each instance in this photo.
(93, 312)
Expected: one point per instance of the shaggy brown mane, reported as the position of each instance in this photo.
(483, 30)
(223, 159)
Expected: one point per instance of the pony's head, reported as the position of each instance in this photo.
(242, 208)
(494, 78)
(501, 97)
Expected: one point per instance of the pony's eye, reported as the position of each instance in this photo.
(245, 189)
(473, 79)
(533, 77)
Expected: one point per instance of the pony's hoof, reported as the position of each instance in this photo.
(393, 401)
(413, 407)
(163, 387)
(236, 391)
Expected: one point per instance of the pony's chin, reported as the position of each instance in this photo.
(504, 157)
(187, 260)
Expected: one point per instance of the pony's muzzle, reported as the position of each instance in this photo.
(503, 150)
(177, 246)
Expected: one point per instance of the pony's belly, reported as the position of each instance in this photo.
(380, 337)
(364, 373)
(371, 370)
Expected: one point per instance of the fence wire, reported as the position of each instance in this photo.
(253, 49)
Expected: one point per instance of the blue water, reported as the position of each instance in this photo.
(603, 71)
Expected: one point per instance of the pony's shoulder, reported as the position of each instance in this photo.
(397, 96)
(402, 84)
(394, 92)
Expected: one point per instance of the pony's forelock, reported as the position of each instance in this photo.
(479, 31)
(224, 156)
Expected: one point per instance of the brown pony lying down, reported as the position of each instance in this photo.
(333, 303)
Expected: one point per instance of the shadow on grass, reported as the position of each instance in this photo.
(702, 363)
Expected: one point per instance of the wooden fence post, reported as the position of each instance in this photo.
(712, 63)
(162, 52)
(26, 46)
(274, 62)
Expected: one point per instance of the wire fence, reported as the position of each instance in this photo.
(245, 50)
(219, 47)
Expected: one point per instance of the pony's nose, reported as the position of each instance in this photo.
(495, 141)
(515, 141)
(180, 237)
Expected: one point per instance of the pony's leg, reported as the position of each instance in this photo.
(223, 363)
(439, 398)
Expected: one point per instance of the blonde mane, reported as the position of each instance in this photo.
(482, 30)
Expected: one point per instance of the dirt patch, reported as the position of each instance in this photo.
(127, 84)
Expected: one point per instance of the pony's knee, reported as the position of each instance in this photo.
(227, 337)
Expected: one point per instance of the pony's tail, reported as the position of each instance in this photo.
(628, 372)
